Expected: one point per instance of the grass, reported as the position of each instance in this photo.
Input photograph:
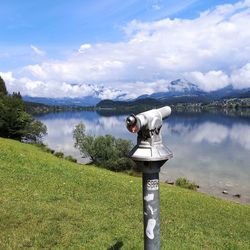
(184, 183)
(51, 203)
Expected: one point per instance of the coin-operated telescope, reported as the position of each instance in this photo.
(148, 125)
(150, 154)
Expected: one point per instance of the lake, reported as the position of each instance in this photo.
(213, 150)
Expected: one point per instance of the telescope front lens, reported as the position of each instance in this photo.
(134, 129)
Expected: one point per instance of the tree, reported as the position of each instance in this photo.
(12, 117)
(83, 142)
(34, 131)
(3, 89)
(15, 123)
(105, 151)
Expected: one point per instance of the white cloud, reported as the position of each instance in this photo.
(240, 78)
(9, 81)
(84, 47)
(37, 50)
(209, 81)
(7, 77)
(211, 50)
(37, 70)
(56, 89)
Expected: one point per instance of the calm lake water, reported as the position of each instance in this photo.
(210, 149)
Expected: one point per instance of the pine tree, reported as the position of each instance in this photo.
(15, 123)
(3, 89)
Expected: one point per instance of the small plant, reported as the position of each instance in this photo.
(59, 154)
(70, 158)
(44, 147)
(184, 183)
(48, 150)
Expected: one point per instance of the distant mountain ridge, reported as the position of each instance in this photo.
(83, 101)
(180, 91)
(176, 88)
(180, 88)
(177, 91)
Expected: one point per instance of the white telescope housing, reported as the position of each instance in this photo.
(149, 141)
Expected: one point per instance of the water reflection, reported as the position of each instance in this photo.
(60, 127)
(212, 150)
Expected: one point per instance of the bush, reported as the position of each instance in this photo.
(105, 151)
(44, 147)
(59, 154)
(70, 158)
(118, 165)
(184, 183)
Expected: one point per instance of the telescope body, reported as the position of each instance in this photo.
(149, 141)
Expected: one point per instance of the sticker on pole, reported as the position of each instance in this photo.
(153, 185)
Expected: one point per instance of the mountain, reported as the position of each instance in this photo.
(181, 91)
(145, 101)
(112, 107)
(83, 101)
(96, 94)
(177, 91)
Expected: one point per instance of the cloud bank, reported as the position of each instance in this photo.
(212, 51)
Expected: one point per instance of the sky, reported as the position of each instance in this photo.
(122, 48)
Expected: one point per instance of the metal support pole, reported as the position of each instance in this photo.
(151, 204)
(151, 209)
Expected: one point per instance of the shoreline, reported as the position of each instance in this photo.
(218, 193)
(215, 191)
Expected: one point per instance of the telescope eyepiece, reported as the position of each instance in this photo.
(131, 122)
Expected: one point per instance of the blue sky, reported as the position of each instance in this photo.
(69, 23)
(41, 39)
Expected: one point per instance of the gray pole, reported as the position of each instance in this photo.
(151, 205)
(151, 212)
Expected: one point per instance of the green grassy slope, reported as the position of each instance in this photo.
(46, 202)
